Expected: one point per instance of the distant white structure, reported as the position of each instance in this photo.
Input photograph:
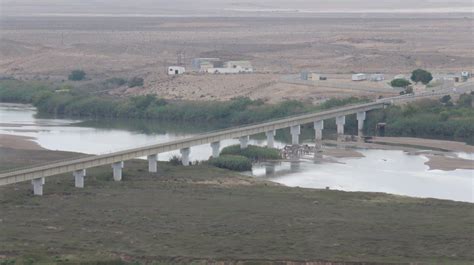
(377, 77)
(246, 66)
(359, 77)
(226, 70)
(465, 74)
(176, 70)
(202, 64)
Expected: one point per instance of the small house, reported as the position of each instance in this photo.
(359, 77)
(176, 70)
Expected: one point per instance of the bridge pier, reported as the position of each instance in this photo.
(152, 163)
(216, 146)
(360, 124)
(38, 186)
(271, 138)
(117, 170)
(340, 122)
(79, 178)
(318, 135)
(295, 134)
(244, 142)
(318, 130)
(185, 156)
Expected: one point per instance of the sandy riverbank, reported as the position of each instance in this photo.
(441, 154)
(19, 142)
(428, 143)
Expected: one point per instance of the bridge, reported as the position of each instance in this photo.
(37, 175)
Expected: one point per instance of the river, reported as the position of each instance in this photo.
(388, 171)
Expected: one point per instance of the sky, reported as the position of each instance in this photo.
(216, 7)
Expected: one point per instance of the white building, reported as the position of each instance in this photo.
(465, 74)
(377, 77)
(225, 70)
(246, 66)
(200, 63)
(359, 77)
(176, 70)
(204, 66)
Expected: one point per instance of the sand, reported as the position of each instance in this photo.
(442, 158)
(19, 142)
(428, 143)
(449, 163)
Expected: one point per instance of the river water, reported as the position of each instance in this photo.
(386, 171)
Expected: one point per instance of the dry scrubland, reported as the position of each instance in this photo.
(126, 47)
(202, 215)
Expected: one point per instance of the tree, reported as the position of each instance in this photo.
(77, 75)
(445, 99)
(136, 81)
(420, 75)
(400, 82)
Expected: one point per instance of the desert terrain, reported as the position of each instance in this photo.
(48, 48)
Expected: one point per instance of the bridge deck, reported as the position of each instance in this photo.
(57, 168)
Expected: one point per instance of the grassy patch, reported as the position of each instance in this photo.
(255, 153)
(232, 162)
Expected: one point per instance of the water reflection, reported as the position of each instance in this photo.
(387, 171)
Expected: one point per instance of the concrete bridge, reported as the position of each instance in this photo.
(78, 166)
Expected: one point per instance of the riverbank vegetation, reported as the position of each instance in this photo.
(252, 152)
(232, 162)
(79, 103)
(436, 119)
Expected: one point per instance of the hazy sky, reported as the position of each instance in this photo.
(158, 7)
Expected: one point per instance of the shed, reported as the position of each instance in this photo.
(176, 70)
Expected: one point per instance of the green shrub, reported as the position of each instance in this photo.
(252, 152)
(400, 82)
(232, 162)
(77, 75)
(176, 161)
